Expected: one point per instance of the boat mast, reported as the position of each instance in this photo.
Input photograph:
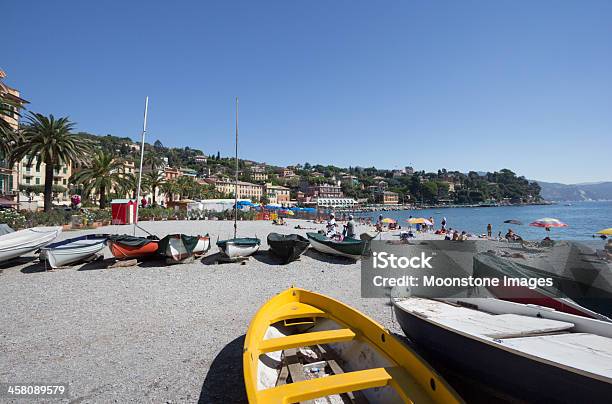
(142, 147)
(236, 178)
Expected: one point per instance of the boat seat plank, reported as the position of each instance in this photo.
(306, 339)
(332, 361)
(325, 386)
(484, 324)
(590, 352)
(295, 310)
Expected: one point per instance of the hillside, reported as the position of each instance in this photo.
(576, 192)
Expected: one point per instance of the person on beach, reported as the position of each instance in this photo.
(349, 228)
(433, 223)
(331, 225)
(489, 230)
(379, 223)
(443, 223)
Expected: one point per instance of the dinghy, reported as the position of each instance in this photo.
(18, 243)
(303, 346)
(287, 247)
(348, 247)
(529, 352)
(235, 248)
(178, 247)
(129, 247)
(203, 245)
(73, 250)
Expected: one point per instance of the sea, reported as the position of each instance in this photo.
(584, 219)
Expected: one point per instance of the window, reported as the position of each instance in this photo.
(64, 181)
(65, 170)
(27, 180)
(37, 169)
(37, 181)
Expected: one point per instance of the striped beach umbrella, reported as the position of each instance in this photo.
(389, 220)
(548, 222)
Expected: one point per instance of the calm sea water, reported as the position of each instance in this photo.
(583, 218)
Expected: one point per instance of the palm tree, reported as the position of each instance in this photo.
(153, 160)
(50, 141)
(103, 173)
(153, 180)
(170, 188)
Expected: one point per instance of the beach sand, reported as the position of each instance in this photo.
(154, 332)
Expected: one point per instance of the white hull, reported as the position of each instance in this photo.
(233, 251)
(203, 246)
(176, 249)
(328, 250)
(22, 242)
(72, 253)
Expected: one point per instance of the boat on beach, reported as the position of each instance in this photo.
(348, 247)
(287, 247)
(567, 295)
(238, 247)
(529, 352)
(21, 242)
(73, 250)
(302, 346)
(203, 245)
(177, 247)
(132, 247)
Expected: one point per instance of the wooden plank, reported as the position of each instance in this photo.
(295, 369)
(305, 339)
(332, 361)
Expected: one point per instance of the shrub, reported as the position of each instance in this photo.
(13, 219)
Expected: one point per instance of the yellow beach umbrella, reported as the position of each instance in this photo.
(388, 220)
(606, 232)
(419, 220)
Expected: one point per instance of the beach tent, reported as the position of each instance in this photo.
(123, 211)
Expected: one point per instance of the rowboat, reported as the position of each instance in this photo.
(202, 246)
(529, 352)
(288, 247)
(73, 250)
(128, 247)
(234, 248)
(302, 346)
(348, 247)
(178, 247)
(568, 295)
(18, 243)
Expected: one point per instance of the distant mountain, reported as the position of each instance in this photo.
(576, 192)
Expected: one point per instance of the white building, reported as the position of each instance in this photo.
(336, 203)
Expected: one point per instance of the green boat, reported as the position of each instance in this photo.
(348, 247)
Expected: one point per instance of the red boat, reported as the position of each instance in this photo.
(129, 247)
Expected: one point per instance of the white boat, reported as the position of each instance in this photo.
(203, 245)
(529, 352)
(21, 242)
(73, 250)
(234, 248)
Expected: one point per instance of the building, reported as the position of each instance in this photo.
(171, 173)
(387, 198)
(349, 180)
(246, 190)
(325, 191)
(260, 177)
(398, 173)
(277, 194)
(200, 159)
(9, 175)
(409, 170)
(287, 173)
(188, 172)
(336, 203)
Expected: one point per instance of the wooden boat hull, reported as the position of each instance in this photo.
(18, 243)
(203, 245)
(348, 248)
(362, 358)
(73, 250)
(123, 251)
(492, 364)
(239, 248)
(287, 247)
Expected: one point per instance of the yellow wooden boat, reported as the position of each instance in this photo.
(304, 346)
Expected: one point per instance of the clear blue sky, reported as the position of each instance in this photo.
(463, 85)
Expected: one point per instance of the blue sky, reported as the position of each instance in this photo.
(463, 85)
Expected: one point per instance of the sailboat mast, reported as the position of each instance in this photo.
(236, 178)
(142, 147)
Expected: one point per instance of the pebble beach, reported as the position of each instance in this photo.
(153, 332)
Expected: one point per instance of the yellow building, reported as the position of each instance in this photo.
(277, 194)
(246, 190)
